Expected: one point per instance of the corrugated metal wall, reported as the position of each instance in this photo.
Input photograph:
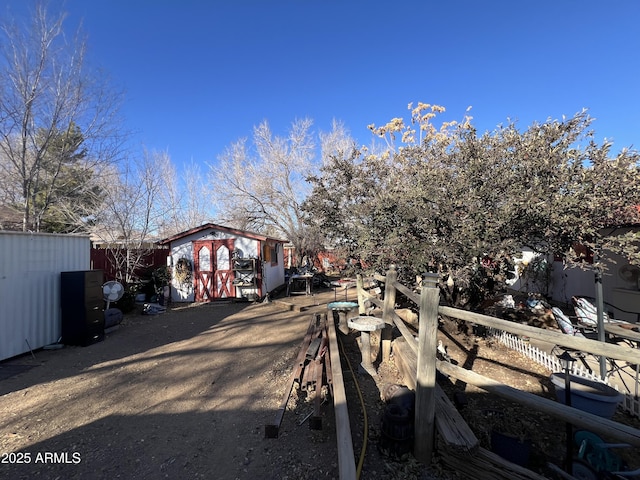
(30, 266)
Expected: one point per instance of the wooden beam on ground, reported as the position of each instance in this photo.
(271, 429)
(312, 332)
(315, 422)
(453, 429)
(486, 465)
(450, 425)
(312, 349)
(327, 362)
(308, 377)
(346, 459)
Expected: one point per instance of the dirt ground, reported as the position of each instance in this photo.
(186, 394)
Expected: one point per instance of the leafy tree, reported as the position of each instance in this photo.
(67, 191)
(464, 205)
(57, 121)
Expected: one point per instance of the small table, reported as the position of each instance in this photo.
(307, 277)
(365, 325)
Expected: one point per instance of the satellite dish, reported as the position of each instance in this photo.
(112, 292)
(629, 273)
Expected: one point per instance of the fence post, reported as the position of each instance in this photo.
(387, 311)
(426, 374)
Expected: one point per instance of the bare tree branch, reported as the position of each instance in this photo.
(47, 93)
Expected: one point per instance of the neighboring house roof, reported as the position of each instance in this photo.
(213, 226)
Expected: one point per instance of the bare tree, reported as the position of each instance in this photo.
(184, 198)
(261, 186)
(131, 215)
(57, 120)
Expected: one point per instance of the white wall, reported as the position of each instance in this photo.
(570, 282)
(274, 275)
(30, 266)
(615, 291)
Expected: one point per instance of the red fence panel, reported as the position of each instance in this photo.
(152, 260)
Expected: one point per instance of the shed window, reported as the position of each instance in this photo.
(270, 253)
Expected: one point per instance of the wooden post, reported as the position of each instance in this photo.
(600, 319)
(426, 374)
(388, 311)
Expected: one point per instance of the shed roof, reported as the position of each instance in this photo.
(213, 226)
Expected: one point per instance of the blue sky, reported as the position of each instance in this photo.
(199, 74)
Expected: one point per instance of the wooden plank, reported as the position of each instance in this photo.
(578, 418)
(486, 465)
(360, 292)
(327, 364)
(346, 459)
(389, 296)
(594, 423)
(271, 429)
(453, 429)
(406, 333)
(388, 311)
(312, 332)
(315, 422)
(312, 349)
(406, 361)
(631, 355)
(308, 377)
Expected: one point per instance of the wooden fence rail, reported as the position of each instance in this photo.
(427, 364)
(630, 403)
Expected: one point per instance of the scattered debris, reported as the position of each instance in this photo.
(153, 309)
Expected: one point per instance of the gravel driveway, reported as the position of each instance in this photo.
(185, 394)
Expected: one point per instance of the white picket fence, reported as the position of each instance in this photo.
(629, 404)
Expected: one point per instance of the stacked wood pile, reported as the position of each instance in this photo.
(311, 373)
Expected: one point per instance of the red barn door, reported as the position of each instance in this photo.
(213, 269)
